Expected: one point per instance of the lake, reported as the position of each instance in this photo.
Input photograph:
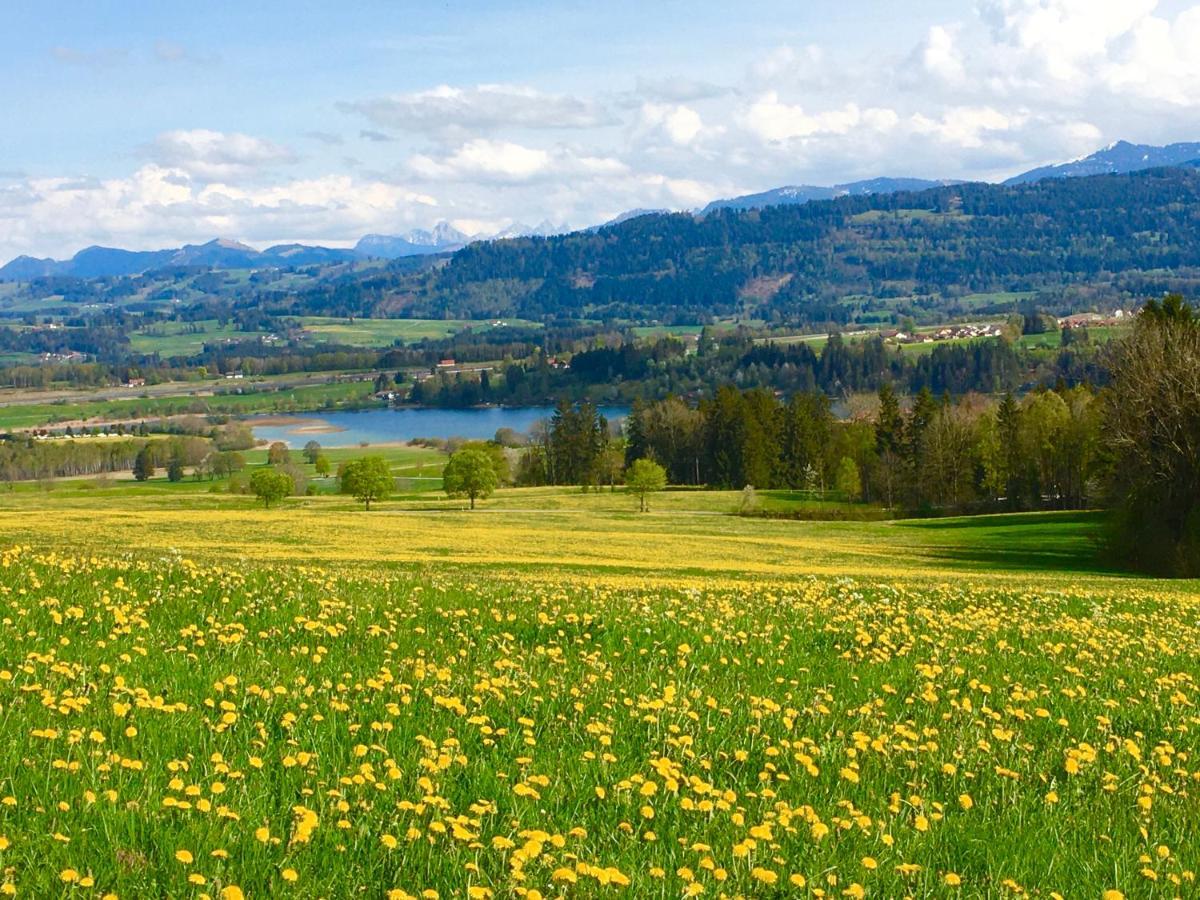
(381, 426)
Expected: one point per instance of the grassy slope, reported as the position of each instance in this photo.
(541, 528)
(293, 689)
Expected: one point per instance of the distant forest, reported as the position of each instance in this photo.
(1106, 236)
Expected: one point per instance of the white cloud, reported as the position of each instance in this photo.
(681, 124)
(489, 161)
(216, 155)
(486, 107)
(967, 127)
(772, 120)
(482, 158)
(940, 56)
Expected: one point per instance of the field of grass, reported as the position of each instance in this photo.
(558, 696)
(1052, 339)
(32, 415)
(178, 339)
(386, 332)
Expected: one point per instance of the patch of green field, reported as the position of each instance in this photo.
(898, 215)
(250, 401)
(387, 332)
(1100, 334)
(169, 339)
(644, 331)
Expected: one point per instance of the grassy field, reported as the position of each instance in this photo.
(179, 339)
(1100, 334)
(252, 400)
(386, 332)
(558, 696)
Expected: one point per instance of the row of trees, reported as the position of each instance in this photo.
(1040, 451)
(636, 369)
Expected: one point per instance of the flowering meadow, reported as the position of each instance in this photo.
(221, 729)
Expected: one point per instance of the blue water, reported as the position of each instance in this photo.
(377, 426)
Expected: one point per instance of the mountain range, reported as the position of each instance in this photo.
(222, 253)
(1118, 158)
(1115, 159)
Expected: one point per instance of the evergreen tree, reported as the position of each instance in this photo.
(143, 465)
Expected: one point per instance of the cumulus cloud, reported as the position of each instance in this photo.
(680, 124)
(484, 160)
(216, 155)
(772, 120)
(486, 107)
(940, 56)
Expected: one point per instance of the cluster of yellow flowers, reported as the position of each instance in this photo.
(252, 730)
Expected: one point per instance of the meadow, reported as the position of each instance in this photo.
(556, 696)
(388, 332)
(225, 398)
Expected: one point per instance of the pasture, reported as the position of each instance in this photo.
(557, 696)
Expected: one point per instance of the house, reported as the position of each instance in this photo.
(446, 363)
(136, 382)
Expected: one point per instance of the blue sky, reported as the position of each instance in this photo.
(151, 124)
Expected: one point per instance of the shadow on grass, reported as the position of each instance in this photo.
(1029, 542)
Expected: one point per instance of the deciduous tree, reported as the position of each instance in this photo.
(470, 473)
(367, 479)
(643, 478)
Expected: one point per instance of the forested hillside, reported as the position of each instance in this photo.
(1098, 239)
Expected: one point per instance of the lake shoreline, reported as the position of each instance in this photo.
(399, 425)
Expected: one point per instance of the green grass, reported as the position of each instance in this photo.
(169, 339)
(387, 332)
(645, 331)
(317, 701)
(1053, 339)
(250, 401)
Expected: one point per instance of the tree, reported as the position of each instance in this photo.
(494, 452)
(577, 436)
(143, 464)
(270, 485)
(609, 466)
(321, 464)
(277, 454)
(645, 477)
(889, 436)
(470, 473)
(226, 463)
(367, 479)
(1152, 434)
(848, 481)
(175, 468)
(311, 451)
